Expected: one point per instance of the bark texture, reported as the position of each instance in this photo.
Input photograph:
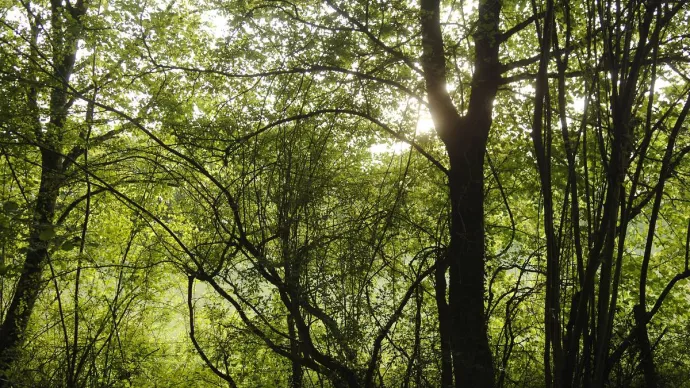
(465, 138)
(65, 31)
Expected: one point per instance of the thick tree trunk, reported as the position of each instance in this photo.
(465, 139)
(472, 360)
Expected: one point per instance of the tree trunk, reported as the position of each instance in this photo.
(465, 139)
(296, 370)
(445, 327)
(65, 31)
(651, 378)
(470, 346)
(29, 284)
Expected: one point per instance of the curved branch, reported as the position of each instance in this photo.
(362, 28)
(297, 70)
(198, 348)
(351, 112)
(383, 332)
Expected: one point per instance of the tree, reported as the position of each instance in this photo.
(279, 176)
(55, 137)
(622, 122)
(65, 30)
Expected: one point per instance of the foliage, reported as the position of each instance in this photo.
(250, 193)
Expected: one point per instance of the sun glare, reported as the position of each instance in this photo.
(217, 24)
(425, 125)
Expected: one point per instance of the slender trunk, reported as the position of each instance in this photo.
(651, 378)
(29, 284)
(292, 275)
(64, 34)
(444, 324)
(541, 137)
(414, 364)
(640, 310)
(296, 371)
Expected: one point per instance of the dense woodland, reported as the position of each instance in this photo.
(389, 193)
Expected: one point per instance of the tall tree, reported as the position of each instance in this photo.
(341, 193)
(465, 139)
(607, 160)
(65, 30)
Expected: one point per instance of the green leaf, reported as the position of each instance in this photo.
(67, 246)
(10, 207)
(4, 221)
(71, 244)
(47, 234)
